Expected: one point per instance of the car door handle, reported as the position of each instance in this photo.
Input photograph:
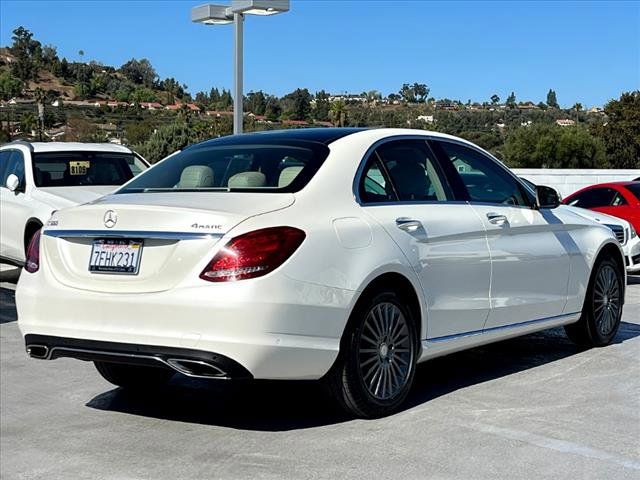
(409, 225)
(497, 219)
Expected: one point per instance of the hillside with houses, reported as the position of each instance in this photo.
(45, 97)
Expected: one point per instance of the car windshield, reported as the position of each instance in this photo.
(635, 189)
(237, 168)
(74, 169)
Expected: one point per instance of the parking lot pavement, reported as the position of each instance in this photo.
(533, 407)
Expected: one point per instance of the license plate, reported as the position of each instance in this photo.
(115, 256)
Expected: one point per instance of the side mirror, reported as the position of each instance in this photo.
(546, 197)
(13, 182)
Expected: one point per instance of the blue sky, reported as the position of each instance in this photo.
(587, 51)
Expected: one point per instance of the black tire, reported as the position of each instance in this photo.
(134, 377)
(602, 309)
(392, 358)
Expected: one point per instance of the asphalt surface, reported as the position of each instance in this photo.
(533, 407)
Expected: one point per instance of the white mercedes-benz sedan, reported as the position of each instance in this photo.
(345, 255)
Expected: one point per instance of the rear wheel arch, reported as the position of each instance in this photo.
(397, 283)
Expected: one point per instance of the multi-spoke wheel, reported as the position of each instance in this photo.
(377, 361)
(602, 309)
(385, 351)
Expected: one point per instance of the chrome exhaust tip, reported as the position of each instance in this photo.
(195, 368)
(38, 351)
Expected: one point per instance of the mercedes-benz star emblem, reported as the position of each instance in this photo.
(110, 218)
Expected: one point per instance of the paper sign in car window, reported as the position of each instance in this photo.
(79, 167)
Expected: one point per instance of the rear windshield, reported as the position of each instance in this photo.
(233, 168)
(74, 169)
(635, 189)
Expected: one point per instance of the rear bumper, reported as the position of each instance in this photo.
(273, 327)
(194, 363)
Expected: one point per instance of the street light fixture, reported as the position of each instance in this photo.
(221, 15)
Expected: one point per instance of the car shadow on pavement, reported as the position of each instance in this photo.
(7, 306)
(283, 406)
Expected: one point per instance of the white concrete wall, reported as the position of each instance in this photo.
(567, 181)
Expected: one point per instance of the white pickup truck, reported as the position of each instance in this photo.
(38, 178)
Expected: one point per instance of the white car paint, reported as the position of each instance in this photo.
(34, 205)
(475, 283)
(630, 243)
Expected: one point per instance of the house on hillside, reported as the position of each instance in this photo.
(565, 122)
(218, 113)
(190, 106)
(527, 106)
(297, 123)
(426, 118)
(151, 105)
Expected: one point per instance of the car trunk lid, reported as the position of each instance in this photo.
(177, 231)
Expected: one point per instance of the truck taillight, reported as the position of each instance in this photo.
(253, 254)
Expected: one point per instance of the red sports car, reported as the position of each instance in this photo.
(620, 199)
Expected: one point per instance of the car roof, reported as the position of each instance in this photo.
(69, 147)
(317, 135)
(324, 136)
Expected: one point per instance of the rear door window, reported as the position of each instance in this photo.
(405, 171)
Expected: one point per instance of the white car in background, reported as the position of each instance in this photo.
(37, 179)
(346, 255)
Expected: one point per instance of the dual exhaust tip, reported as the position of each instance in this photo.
(188, 367)
(38, 351)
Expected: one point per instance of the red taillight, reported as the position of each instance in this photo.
(32, 263)
(253, 254)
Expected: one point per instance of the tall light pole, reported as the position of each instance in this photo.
(221, 15)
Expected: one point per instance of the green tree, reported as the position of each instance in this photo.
(273, 109)
(321, 112)
(621, 132)
(10, 86)
(40, 98)
(552, 100)
(28, 54)
(138, 132)
(28, 123)
(140, 72)
(495, 99)
(143, 94)
(165, 141)
(551, 146)
(338, 113)
(256, 103)
(297, 104)
(511, 101)
(577, 107)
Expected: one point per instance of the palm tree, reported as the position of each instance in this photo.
(338, 113)
(27, 123)
(40, 97)
(577, 107)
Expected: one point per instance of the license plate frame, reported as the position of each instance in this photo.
(118, 248)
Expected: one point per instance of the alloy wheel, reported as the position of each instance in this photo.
(606, 300)
(385, 351)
